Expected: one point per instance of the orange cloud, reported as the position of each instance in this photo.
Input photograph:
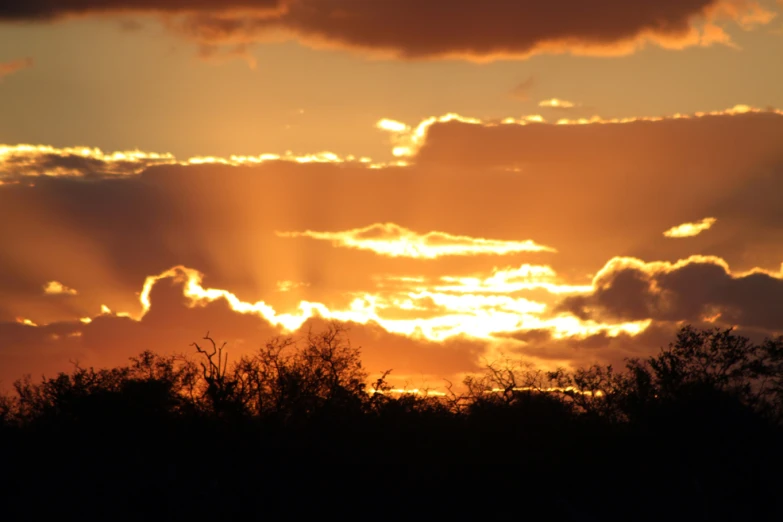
(487, 30)
(439, 312)
(690, 229)
(388, 239)
(409, 140)
(479, 30)
(25, 160)
(566, 184)
(9, 68)
(449, 308)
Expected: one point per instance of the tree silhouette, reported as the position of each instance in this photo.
(693, 432)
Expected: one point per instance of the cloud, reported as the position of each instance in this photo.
(408, 140)
(22, 161)
(486, 30)
(576, 351)
(18, 162)
(696, 289)
(391, 125)
(421, 29)
(388, 239)
(690, 229)
(556, 103)
(564, 185)
(9, 68)
(522, 90)
(57, 288)
(569, 107)
(172, 321)
(52, 9)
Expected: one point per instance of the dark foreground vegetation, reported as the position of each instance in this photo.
(693, 433)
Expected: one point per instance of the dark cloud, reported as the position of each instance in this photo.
(599, 348)
(24, 161)
(475, 29)
(692, 290)
(603, 348)
(50, 9)
(695, 140)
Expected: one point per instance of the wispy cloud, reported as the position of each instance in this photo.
(25, 160)
(556, 103)
(690, 229)
(389, 239)
(522, 90)
(9, 68)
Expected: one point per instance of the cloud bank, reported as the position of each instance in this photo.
(700, 288)
(567, 186)
(422, 29)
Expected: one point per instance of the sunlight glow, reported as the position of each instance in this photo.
(690, 229)
(407, 142)
(475, 316)
(526, 277)
(557, 104)
(57, 288)
(389, 239)
(391, 125)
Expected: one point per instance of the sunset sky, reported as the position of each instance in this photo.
(558, 182)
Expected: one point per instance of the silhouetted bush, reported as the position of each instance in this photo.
(692, 433)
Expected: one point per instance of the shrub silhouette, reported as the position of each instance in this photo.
(693, 432)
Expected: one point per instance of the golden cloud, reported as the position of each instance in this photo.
(690, 229)
(25, 160)
(511, 280)
(388, 239)
(555, 103)
(439, 313)
(30, 161)
(581, 201)
(57, 288)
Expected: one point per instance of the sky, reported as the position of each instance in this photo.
(556, 183)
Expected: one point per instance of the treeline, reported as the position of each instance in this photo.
(692, 433)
